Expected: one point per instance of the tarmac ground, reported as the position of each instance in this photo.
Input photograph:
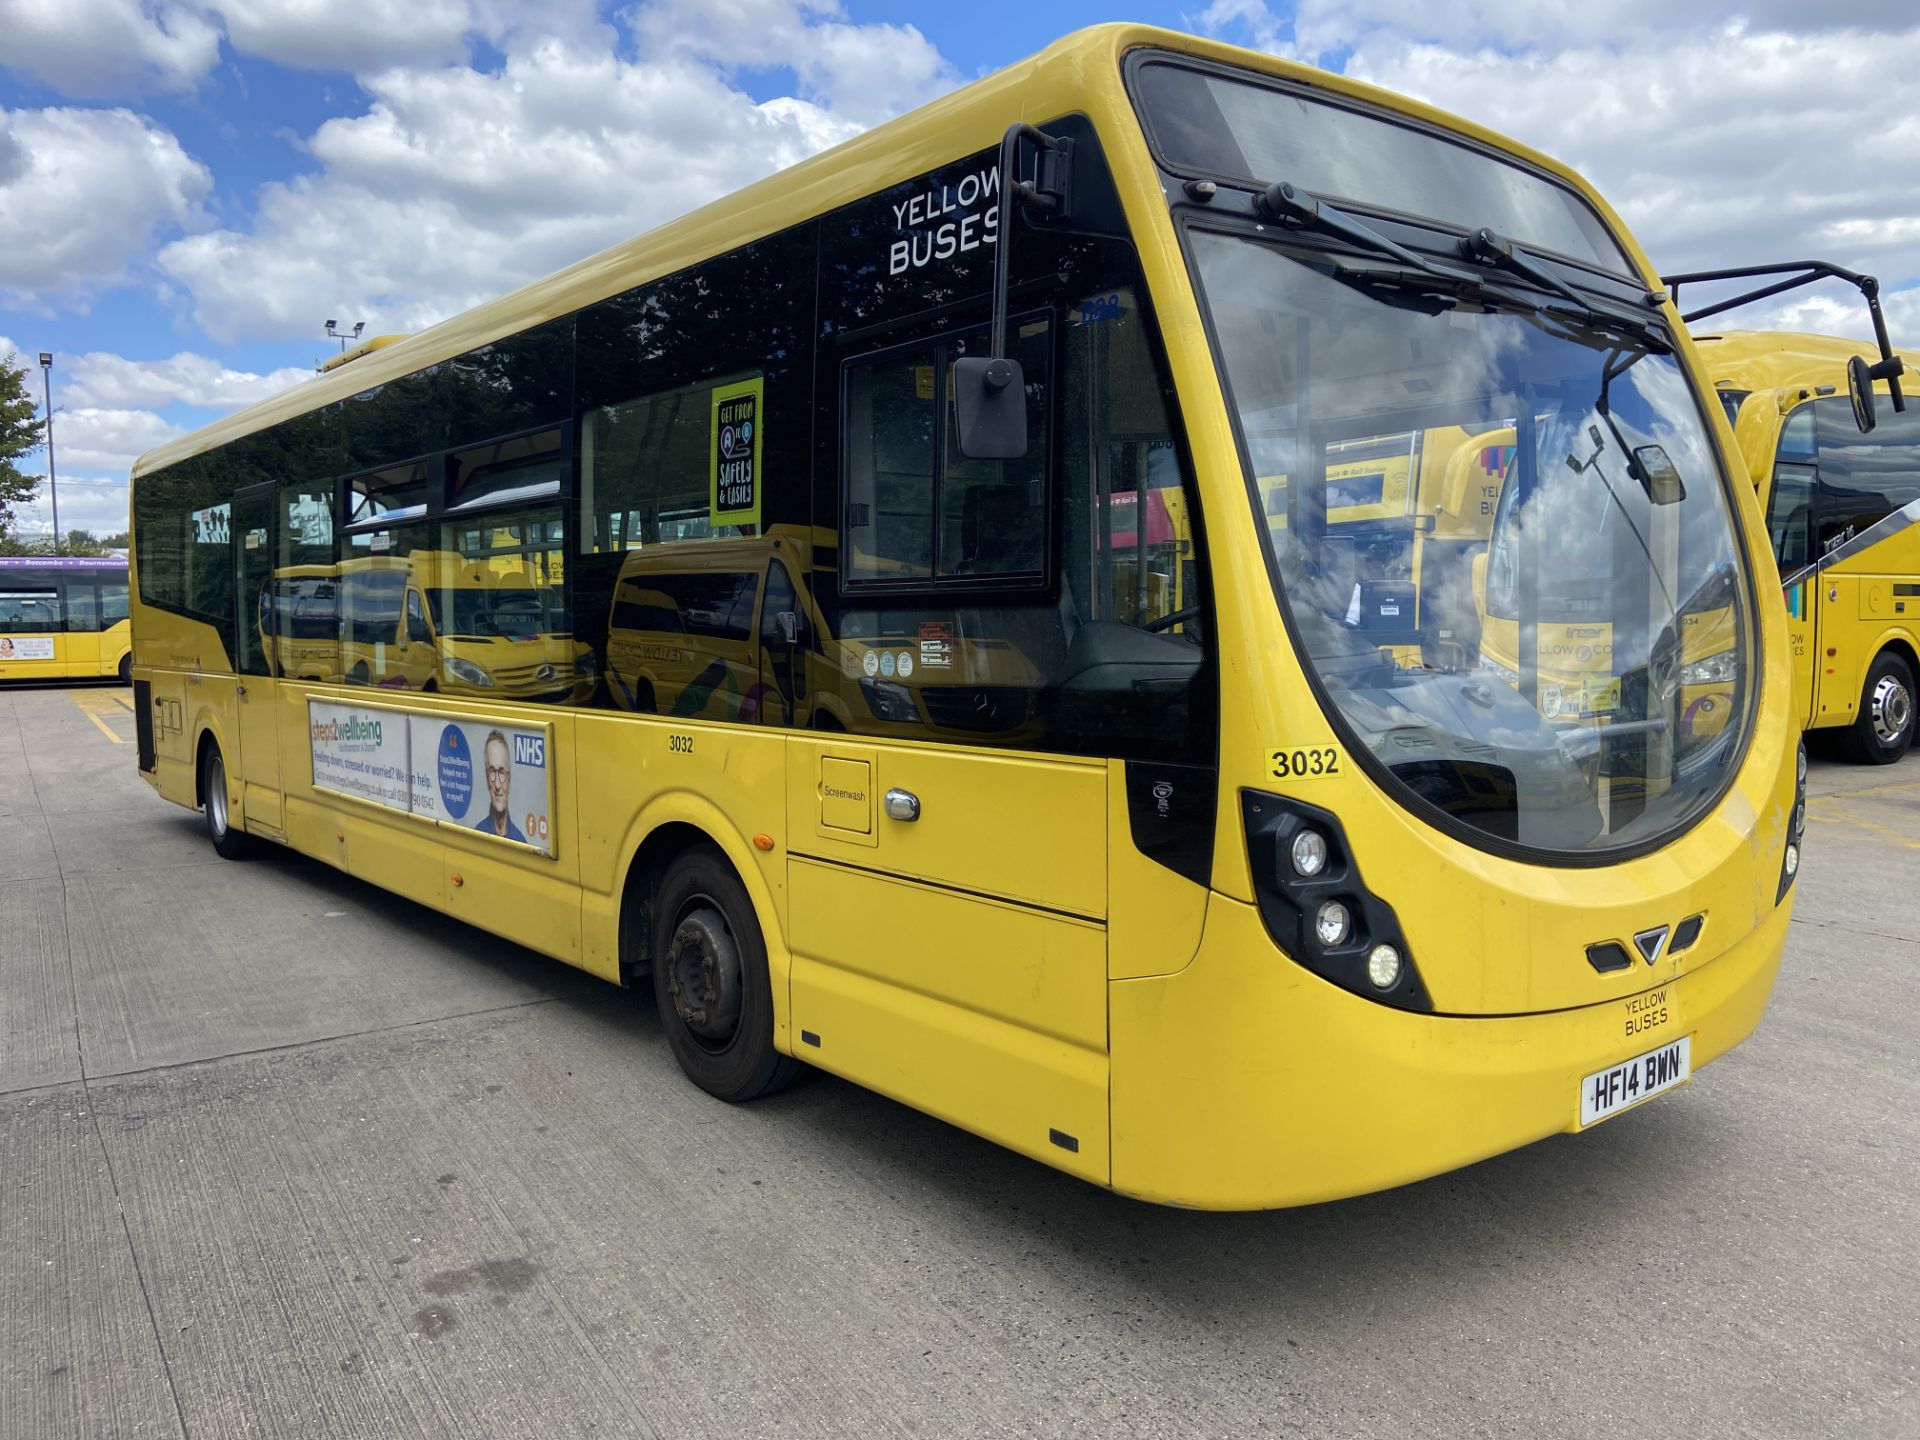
(283, 1155)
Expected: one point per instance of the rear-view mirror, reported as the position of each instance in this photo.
(1660, 475)
(990, 408)
(1860, 392)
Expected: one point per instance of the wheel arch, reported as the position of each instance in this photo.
(669, 826)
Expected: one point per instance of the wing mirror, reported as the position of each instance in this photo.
(990, 408)
(1861, 373)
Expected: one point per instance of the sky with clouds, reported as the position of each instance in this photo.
(190, 188)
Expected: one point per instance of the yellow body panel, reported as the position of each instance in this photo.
(76, 655)
(1009, 960)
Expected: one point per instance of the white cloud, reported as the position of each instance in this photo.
(115, 383)
(95, 440)
(456, 186)
(97, 48)
(866, 73)
(94, 503)
(1735, 147)
(82, 193)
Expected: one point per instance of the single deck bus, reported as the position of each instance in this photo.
(1841, 507)
(1176, 876)
(64, 618)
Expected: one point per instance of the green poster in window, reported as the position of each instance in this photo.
(734, 496)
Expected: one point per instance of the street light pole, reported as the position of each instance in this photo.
(53, 489)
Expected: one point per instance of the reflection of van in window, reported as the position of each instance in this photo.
(300, 622)
(733, 629)
(434, 620)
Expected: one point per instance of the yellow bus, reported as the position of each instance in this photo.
(1841, 508)
(64, 618)
(1248, 909)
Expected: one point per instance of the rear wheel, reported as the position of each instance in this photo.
(126, 668)
(228, 843)
(1883, 730)
(711, 983)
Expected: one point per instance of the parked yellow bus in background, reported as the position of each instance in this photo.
(1248, 908)
(1841, 510)
(64, 618)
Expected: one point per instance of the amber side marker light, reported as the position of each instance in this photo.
(763, 842)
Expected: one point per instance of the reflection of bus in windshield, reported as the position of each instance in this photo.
(436, 620)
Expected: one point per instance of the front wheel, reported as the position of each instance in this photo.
(1883, 730)
(228, 843)
(711, 983)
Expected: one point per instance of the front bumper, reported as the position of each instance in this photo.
(1245, 1082)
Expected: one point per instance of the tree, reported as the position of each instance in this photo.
(21, 434)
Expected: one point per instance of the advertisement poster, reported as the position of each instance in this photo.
(359, 752)
(477, 774)
(26, 647)
(490, 778)
(734, 495)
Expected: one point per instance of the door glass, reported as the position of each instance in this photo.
(254, 601)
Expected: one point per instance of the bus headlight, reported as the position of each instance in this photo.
(1796, 826)
(1713, 670)
(466, 672)
(893, 703)
(1309, 853)
(1316, 905)
(1333, 923)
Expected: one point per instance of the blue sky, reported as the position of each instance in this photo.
(189, 189)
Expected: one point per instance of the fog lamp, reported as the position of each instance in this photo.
(1383, 967)
(1793, 861)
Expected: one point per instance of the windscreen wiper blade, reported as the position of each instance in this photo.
(1432, 280)
(1287, 202)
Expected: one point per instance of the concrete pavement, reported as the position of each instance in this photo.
(282, 1155)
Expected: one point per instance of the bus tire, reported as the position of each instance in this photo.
(125, 671)
(710, 980)
(228, 842)
(1883, 730)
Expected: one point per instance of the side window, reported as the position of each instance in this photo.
(305, 584)
(1790, 516)
(29, 609)
(418, 631)
(113, 602)
(1863, 478)
(83, 607)
(916, 513)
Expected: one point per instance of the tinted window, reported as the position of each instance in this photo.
(1864, 478)
(916, 509)
(23, 609)
(1213, 124)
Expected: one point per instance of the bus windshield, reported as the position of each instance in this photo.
(1612, 523)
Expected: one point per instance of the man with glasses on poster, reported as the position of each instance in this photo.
(499, 762)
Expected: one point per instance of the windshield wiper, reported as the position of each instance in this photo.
(1434, 281)
(1287, 202)
(1495, 251)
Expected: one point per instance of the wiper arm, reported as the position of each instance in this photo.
(1497, 252)
(1433, 280)
(1289, 203)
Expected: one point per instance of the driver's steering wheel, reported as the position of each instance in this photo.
(1168, 621)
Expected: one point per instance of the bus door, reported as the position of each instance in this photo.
(947, 901)
(256, 625)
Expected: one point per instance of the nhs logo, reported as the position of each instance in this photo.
(530, 750)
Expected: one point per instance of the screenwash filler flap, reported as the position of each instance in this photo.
(481, 775)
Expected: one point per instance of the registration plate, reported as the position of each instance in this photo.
(1608, 1092)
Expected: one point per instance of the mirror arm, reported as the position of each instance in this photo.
(1049, 197)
